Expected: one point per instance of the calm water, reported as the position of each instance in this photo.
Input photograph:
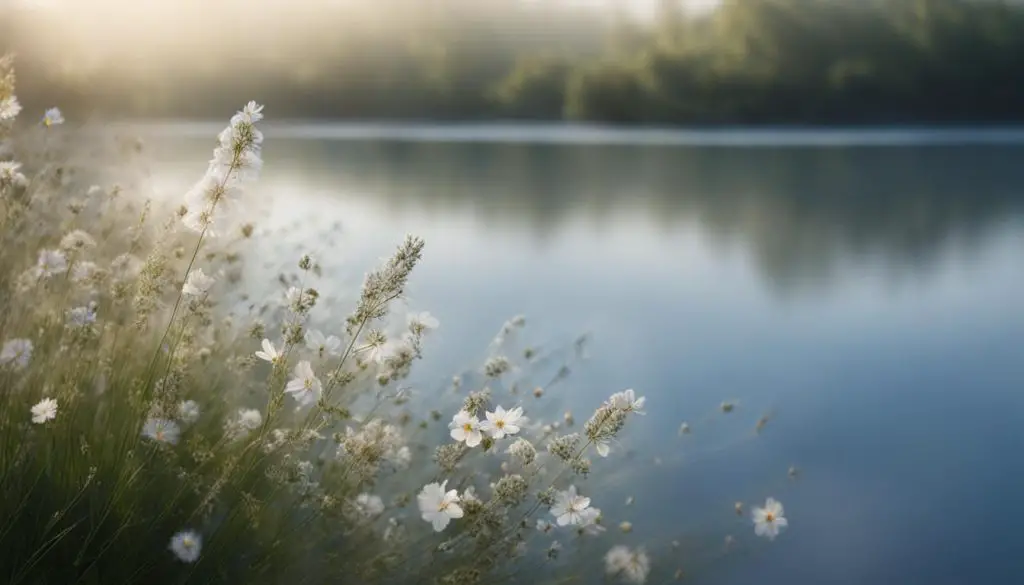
(863, 288)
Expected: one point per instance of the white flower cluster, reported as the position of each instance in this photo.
(236, 160)
(466, 428)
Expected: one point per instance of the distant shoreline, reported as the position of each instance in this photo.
(594, 134)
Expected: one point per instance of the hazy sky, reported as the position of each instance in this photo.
(645, 7)
(641, 6)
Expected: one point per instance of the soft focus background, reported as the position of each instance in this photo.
(861, 286)
(622, 61)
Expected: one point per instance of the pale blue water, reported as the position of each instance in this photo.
(865, 288)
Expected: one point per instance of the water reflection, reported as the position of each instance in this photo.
(801, 213)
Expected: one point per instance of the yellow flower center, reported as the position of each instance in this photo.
(500, 424)
(442, 506)
(769, 517)
(307, 383)
(468, 427)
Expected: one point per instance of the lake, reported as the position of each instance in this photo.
(862, 287)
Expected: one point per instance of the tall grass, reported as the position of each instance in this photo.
(151, 434)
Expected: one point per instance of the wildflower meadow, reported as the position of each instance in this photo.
(157, 428)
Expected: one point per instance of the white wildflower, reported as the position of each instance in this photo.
(81, 271)
(9, 108)
(369, 505)
(769, 520)
(501, 422)
(82, 316)
(632, 566)
(17, 352)
(305, 387)
(77, 240)
(437, 506)
(161, 430)
(53, 117)
(269, 353)
(126, 266)
(523, 451)
(44, 411)
(402, 457)
(627, 400)
(197, 283)
(603, 447)
(249, 419)
(188, 412)
(186, 546)
(250, 113)
(329, 345)
(466, 428)
(422, 321)
(569, 507)
(9, 174)
(293, 298)
(591, 522)
(51, 262)
(469, 495)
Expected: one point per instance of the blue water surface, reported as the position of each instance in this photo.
(862, 289)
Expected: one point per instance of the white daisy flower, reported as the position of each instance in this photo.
(569, 507)
(501, 422)
(17, 352)
(305, 387)
(250, 113)
(186, 545)
(44, 411)
(269, 353)
(161, 430)
(53, 117)
(769, 520)
(197, 283)
(437, 506)
(466, 428)
(329, 345)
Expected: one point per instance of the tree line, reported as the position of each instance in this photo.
(745, 62)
